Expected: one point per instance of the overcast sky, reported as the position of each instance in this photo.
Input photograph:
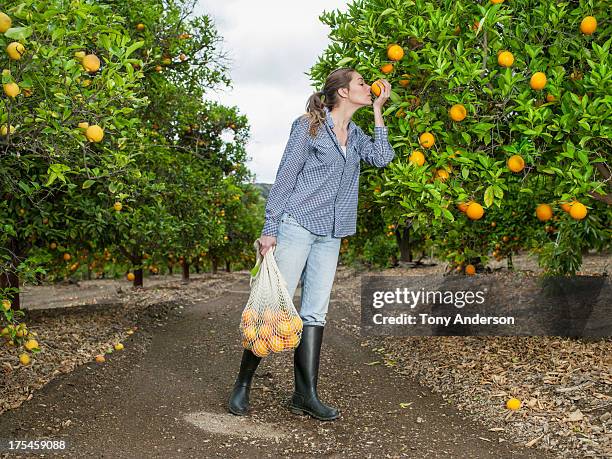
(270, 46)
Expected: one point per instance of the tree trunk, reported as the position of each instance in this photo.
(197, 268)
(510, 264)
(227, 266)
(403, 241)
(185, 272)
(138, 278)
(215, 264)
(169, 265)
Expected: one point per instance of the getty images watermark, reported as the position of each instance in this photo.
(486, 305)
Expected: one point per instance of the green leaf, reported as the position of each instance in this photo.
(18, 33)
(52, 177)
(344, 61)
(582, 156)
(140, 44)
(387, 12)
(488, 196)
(88, 183)
(447, 213)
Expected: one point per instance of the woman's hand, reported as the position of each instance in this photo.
(383, 96)
(265, 243)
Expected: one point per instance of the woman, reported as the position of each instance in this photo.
(311, 207)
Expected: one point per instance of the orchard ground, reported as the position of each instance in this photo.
(166, 392)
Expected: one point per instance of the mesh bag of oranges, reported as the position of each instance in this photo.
(270, 322)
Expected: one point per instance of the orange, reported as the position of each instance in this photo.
(457, 112)
(538, 81)
(291, 341)
(250, 332)
(67, 257)
(578, 210)
(427, 140)
(588, 25)
(513, 404)
(94, 133)
(265, 331)
(474, 211)
(462, 206)
(296, 323)
(284, 328)
(249, 315)
(442, 174)
(405, 81)
(470, 270)
(269, 317)
(395, 52)
(15, 50)
(276, 344)
(91, 63)
(544, 212)
(117, 206)
(11, 89)
(566, 206)
(387, 68)
(417, 158)
(505, 59)
(131, 277)
(550, 98)
(100, 358)
(377, 88)
(260, 349)
(516, 163)
(140, 26)
(24, 359)
(497, 2)
(5, 22)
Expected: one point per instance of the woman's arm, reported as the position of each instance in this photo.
(377, 152)
(290, 166)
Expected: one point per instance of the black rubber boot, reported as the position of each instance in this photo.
(239, 400)
(306, 369)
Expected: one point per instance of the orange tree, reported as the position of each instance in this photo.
(67, 106)
(162, 201)
(241, 209)
(490, 101)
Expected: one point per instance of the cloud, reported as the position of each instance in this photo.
(270, 45)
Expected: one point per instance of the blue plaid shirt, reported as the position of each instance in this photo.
(317, 184)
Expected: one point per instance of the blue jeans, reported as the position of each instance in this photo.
(311, 259)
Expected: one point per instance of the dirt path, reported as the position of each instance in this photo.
(165, 395)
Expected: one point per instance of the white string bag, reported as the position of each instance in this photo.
(270, 322)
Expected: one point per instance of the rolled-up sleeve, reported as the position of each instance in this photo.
(377, 152)
(291, 164)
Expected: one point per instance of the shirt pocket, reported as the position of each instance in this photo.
(325, 151)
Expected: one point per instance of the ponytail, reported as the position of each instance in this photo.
(315, 110)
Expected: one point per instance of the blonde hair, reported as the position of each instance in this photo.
(315, 107)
